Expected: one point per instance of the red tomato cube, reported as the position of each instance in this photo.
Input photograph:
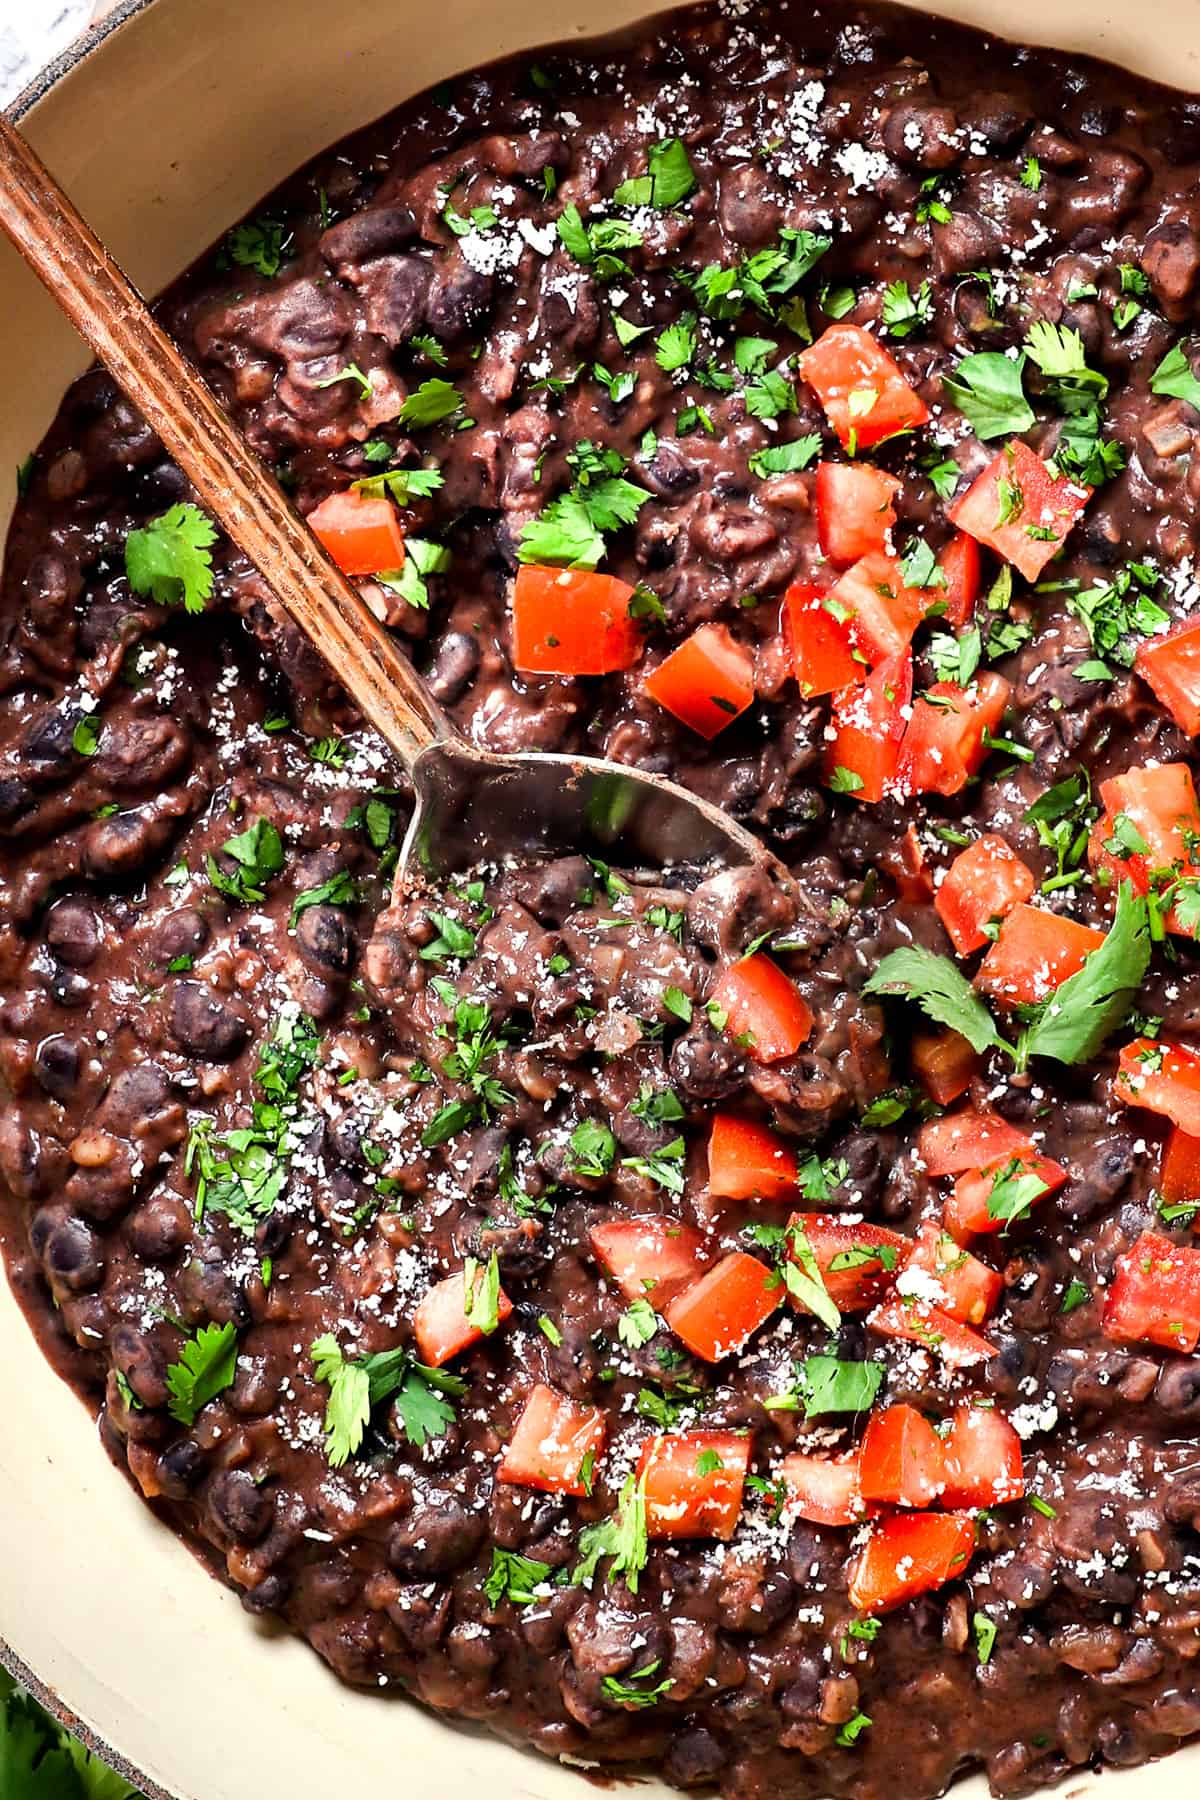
(362, 535)
(823, 658)
(720, 1313)
(1170, 667)
(706, 682)
(747, 1161)
(969, 1211)
(959, 563)
(1179, 1178)
(1162, 1078)
(650, 1258)
(693, 1483)
(900, 1463)
(1034, 954)
(1155, 1296)
(967, 1140)
(865, 394)
(572, 622)
(868, 723)
(983, 883)
(908, 1555)
(761, 1003)
(957, 1345)
(440, 1323)
(880, 613)
(858, 1263)
(944, 743)
(555, 1445)
(1020, 509)
(983, 1462)
(823, 1489)
(855, 510)
(960, 1284)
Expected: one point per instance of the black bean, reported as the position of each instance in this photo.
(57, 1065)
(74, 932)
(239, 1506)
(74, 1255)
(326, 939)
(205, 1024)
(180, 1468)
(160, 1227)
(365, 235)
(436, 1537)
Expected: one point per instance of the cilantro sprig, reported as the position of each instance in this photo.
(169, 559)
(358, 1385)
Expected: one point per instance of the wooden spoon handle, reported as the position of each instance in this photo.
(249, 505)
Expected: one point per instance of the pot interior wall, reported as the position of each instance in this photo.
(175, 124)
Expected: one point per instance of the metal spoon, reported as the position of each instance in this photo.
(470, 804)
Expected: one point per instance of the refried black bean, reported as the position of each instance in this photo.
(381, 1221)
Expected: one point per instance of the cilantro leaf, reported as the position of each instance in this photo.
(206, 1367)
(986, 388)
(785, 459)
(515, 1577)
(675, 346)
(671, 178)
(804, 1281)
(1074, 1022)
(428, 404)
(637, 1324)
(1174, 376)
(258, 854)
(830, 1385)
(400, 485)
(622, 1537)
(903, 312)
(422, 558)
(339, 890)
(564, 533)
(941, 991)
(169, 557)
(358, 1386)
(1013, 1191)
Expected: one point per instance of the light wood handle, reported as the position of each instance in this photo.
(249, 505)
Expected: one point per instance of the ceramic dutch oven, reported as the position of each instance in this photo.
(168, 121)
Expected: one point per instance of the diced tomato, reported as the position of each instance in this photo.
(747, 1161)
(650, 1258)
(440, 1323)
(868, 723)
(823, 1489)
(1034, 954)
(823, 657)
(758, 998)
(982, 1459)
(879, 611)
(865, 395)
(1164, 1078)
(967, 1213)
(1179, 1177)
(1154, 807)
(959, 563)
(984, 882)
(957, 1345)
(944, 743)
(858, 1263)
(969, 1289)
(900, 1462)
(572, 622)
(1170, 667)
(719, 1313)
(967, 1140)
(855, 509)
(706, 682)
(362, 535)
(1155, 1295)
(555, 1444)
(944, 1064)
(908, 1555)
(1019, 509)
(903, 860)
(693, 1483)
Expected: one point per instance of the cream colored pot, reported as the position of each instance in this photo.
(169, 122)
